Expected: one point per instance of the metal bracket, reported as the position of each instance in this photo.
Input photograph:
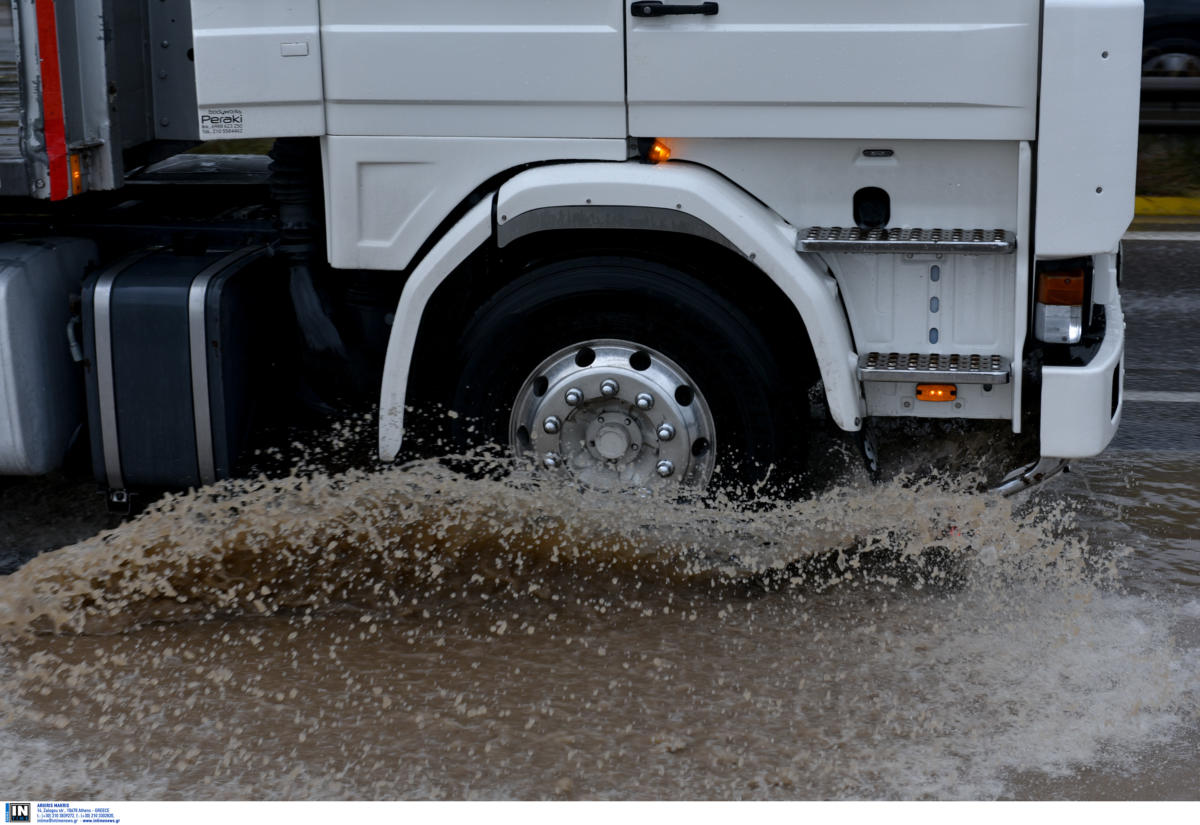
(1034, 474)
(119, 502)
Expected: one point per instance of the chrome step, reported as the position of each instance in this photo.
(956, 241)
(951, 369)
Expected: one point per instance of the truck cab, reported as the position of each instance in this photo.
(631, 239)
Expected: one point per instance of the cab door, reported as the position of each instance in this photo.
(944, 69)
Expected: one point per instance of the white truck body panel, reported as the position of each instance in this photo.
(519, 68)
(812, 182)
(386, 195)
(258, 68)
(1088, 130)
(939, 69)
(930, 303)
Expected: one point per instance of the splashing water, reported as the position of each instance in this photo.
(416, 632)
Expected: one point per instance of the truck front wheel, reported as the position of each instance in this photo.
(628, 373)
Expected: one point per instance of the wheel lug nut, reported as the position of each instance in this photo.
(665, 468)
(552, 461)
(644, 401)
(665, 432)
(609, 388)
(574, 396)
(552, 424)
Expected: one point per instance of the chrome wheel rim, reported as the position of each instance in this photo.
(614, 414)
(1172, 64)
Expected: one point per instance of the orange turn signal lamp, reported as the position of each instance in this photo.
(937, 392)
(75, 164)
(658, 152)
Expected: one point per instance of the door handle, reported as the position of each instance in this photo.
(656, 8)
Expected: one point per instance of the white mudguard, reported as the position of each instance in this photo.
(706, 204)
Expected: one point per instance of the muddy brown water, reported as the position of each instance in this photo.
(413, 633)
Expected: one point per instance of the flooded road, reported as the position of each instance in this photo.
(416, 634)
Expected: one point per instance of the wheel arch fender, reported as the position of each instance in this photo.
(674, 197)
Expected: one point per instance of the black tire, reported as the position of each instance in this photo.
(759, 409)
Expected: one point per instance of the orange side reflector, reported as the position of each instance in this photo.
(76, 174)
(936, 392)
(659, 152)
(1064, 289)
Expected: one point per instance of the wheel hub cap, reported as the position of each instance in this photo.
(612, 443)
(619, 414)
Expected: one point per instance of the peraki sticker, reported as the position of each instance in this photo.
(221, 122)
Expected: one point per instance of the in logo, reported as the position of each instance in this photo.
(16, 812)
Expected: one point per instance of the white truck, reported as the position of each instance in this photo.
(625, 238)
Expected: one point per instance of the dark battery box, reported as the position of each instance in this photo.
(172, 344)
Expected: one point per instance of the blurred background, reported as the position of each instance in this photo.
(1169, 156)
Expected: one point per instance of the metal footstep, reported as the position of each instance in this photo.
(956, 241)
(914, 366)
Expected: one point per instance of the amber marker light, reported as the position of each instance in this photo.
(76, 165)
(659, 152)
(1060, 288)
(937, 392)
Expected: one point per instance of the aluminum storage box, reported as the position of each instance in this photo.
(41, 399)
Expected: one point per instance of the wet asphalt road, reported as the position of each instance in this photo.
(1160, 294)
(600, 674)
